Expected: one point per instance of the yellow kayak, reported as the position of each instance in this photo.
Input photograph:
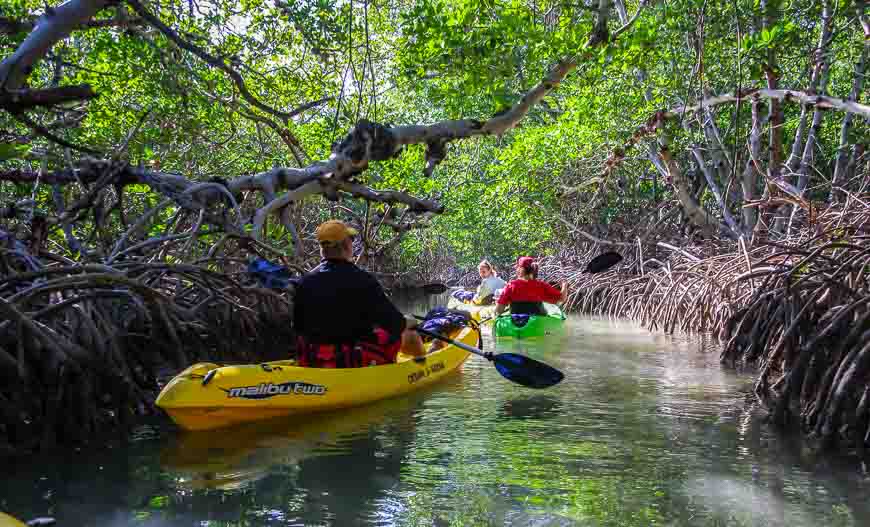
(207, 395)
(9, 521)
(478, 313)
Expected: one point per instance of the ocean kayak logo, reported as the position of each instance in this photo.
(267, 389)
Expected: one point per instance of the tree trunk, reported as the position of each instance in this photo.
(694, 211)
(842, 153)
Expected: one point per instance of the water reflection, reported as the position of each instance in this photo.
(535, 407)
(644, 430)
(236, 457)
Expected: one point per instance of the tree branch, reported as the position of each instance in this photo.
(819, 101)
(10, 26)
(628, 23)
(41, 130)
(21, 100)
(575, 229)
(218, 63)
(55, 25)
(657, 120)
(366, 142)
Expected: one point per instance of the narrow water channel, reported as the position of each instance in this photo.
(645, 430)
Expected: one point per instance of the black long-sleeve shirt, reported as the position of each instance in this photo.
(338, 301)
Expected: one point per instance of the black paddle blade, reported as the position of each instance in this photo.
(528, 372)
(434, 289)
(603, 262)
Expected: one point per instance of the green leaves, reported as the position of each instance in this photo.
(491, 50)
(10, 151)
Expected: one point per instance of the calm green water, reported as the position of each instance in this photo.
(645, 430)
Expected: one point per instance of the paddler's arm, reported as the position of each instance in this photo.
(412, 344)
(481, 293)
(553, 295)
(386, 315)
(504, 300)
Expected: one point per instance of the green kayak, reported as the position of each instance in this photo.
(525, 326)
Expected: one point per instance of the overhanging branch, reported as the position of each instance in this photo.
(366, 142)
(55, 25)
(22, 100)
(11, 26)
(819, 101)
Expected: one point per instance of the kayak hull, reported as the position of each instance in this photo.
(206, 396)
(9, 521)
(537, 325)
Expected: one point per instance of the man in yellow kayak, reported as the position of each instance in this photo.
(342, 317)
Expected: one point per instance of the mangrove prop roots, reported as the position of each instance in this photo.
(84, 348)
(797, 310)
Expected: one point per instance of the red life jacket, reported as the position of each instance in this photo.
(365, 352)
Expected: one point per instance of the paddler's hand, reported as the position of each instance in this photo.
(410, 322)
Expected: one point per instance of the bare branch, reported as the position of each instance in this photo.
(575, 229)
(628, 23)
(366, 142)
(819, 101)
(657, 120)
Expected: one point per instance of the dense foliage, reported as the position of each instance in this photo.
(422, 61)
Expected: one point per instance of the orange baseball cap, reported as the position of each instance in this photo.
(334, 231)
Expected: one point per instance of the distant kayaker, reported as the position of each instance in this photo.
(525, 294)
(491, 284)
(342, 317)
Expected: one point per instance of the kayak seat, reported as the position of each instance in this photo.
(445, 321)
(520, 319)
(528, 308)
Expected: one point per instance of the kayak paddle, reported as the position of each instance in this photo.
(513, 367)
(600, 263)
(603, 262)
(434, 289)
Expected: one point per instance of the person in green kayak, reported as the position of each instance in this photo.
(489, 286)
(525, 295)
(342, 317)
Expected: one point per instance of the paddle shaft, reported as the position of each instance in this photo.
(456, 343)
(515, 368)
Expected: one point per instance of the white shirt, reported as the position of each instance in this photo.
(489, 286)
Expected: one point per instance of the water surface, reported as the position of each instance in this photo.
(645, 430)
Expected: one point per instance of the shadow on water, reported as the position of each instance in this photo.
(645, 429)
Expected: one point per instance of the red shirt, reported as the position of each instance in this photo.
(529, 291)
